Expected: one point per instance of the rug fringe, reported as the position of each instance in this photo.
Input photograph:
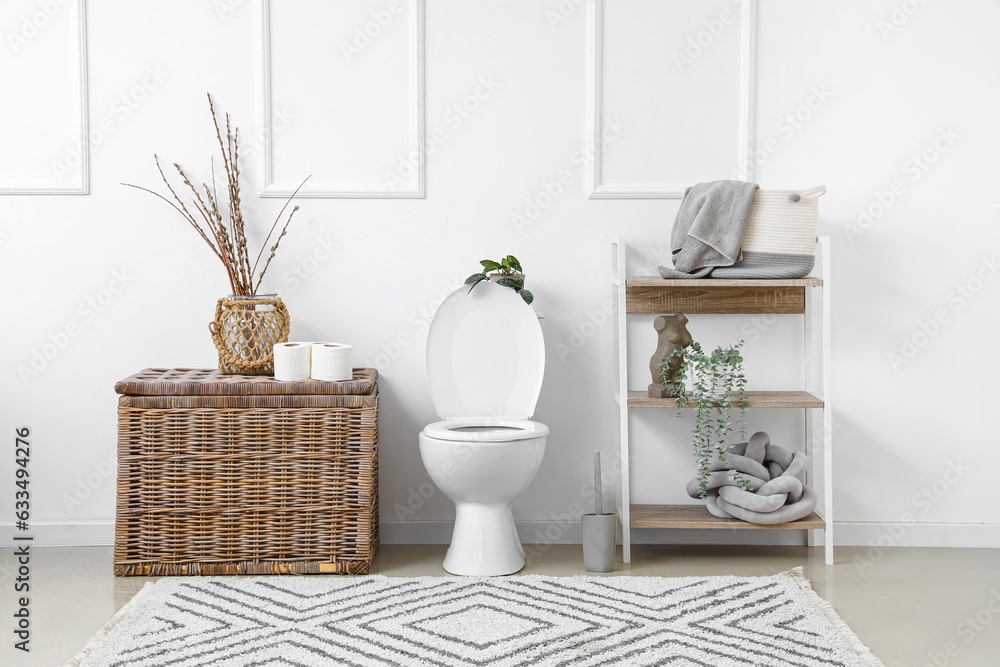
(78, 659)
(865, 653)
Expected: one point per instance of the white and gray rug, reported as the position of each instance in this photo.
(505, 622)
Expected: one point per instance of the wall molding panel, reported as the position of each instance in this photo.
(83, 105)
(331, 189)
(595, 110)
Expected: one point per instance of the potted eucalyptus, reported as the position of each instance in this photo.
(717, 386)
(506, 272)
(247, 323)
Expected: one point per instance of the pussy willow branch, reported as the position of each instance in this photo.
(179, 207)
(232, 174)
(216, 217)
(244, 257)
(235, 211)
(221, 233)
(274, 248)
(228, 242)
(191, 221)
(268, 238)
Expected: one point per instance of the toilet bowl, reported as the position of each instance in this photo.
(485, 361)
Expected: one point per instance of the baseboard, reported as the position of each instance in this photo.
(555, 532)
(63, 533)
(886, 535)
(847, 533)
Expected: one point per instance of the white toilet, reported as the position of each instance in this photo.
(485, 361)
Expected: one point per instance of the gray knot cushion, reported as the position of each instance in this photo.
(778, 492)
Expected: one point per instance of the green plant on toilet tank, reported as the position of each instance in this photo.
(717, 384)
(508, 273)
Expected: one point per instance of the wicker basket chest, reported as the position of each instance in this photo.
(234, 474)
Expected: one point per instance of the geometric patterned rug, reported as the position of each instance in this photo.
(285, 621)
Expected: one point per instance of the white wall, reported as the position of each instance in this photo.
(884, 97)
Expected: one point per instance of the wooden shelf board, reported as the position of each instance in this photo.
(654, 281)
(758, 399)
(696, 516)
(706, 297)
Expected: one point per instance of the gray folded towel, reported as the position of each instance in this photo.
(708, 230)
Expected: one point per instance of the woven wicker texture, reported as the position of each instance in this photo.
(245, 331)
(215, 480)
(246, 401)
(202, 382)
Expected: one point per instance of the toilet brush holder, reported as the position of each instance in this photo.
(599, 542)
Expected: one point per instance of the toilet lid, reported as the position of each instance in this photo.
(485, 354)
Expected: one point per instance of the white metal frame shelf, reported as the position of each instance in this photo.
(814, 397)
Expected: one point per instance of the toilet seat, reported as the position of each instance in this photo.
(485, 429)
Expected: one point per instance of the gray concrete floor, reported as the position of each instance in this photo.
(910, 606)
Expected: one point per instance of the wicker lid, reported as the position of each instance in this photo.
(204, 382)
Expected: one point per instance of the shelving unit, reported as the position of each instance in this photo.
(655, 296)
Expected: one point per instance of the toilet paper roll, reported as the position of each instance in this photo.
(292, 361)
(331, 362)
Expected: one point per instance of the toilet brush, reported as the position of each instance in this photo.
(598, 530)
(598, 487)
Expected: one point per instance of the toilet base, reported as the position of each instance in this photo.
(484, 542)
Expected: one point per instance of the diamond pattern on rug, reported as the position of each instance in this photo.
(480, 625)
(451, 622)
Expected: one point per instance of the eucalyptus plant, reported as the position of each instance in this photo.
(718, 383)
(510, 272)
